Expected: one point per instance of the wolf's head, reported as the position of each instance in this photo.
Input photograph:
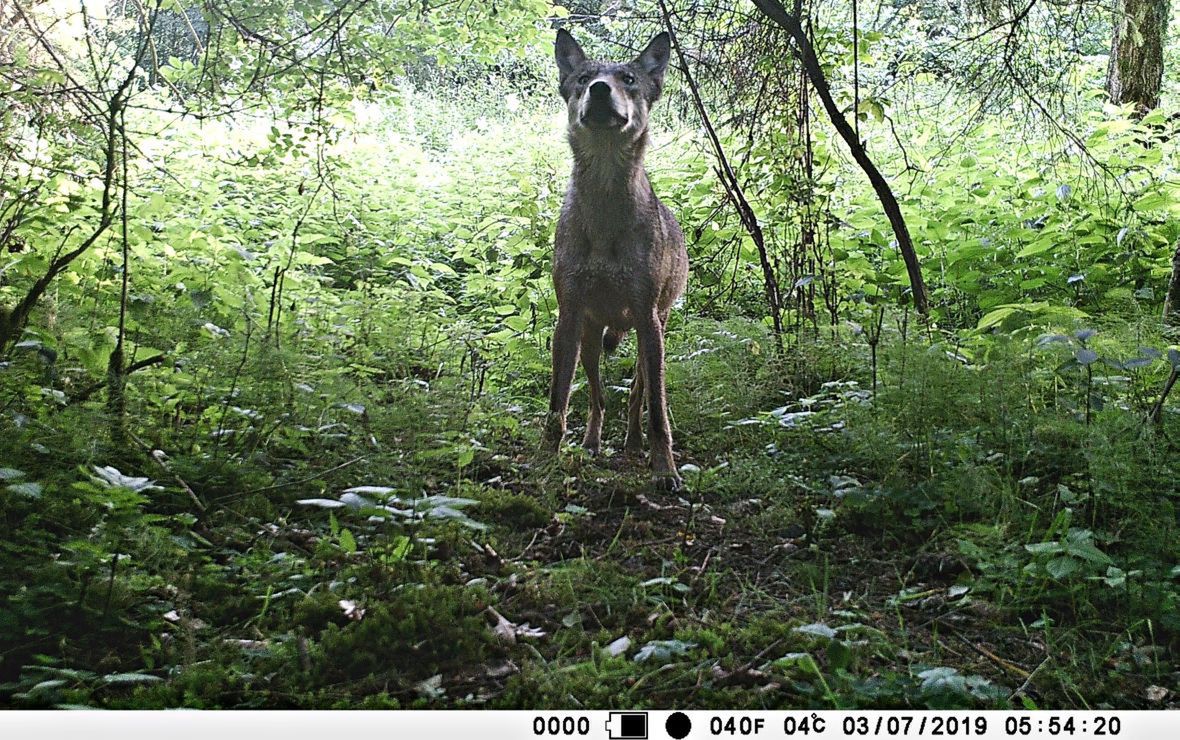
(608, 99)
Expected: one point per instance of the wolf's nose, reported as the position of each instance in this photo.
(600, 90)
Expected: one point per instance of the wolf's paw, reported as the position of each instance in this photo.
(670, 481)
(591, 441)
(554, 431)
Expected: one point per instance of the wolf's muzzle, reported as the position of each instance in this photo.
(600, 109)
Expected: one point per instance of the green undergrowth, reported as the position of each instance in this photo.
(302, 536)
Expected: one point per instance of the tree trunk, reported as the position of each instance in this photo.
(1136, 67)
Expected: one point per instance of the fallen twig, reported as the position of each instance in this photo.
(1005, 664)
(1028, 680)
(161, 459)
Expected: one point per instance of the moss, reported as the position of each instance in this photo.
(417, 633)
(316, 611)
(514, 510)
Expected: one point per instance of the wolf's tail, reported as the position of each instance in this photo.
(611, 339)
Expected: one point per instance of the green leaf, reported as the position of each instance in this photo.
(819, 629)
(445, 512)
(839, 654)
(347, 541)
(465, 457)
(1059, 568)
(1154, 201)
(994, 318)
(517, 323)
(1086, 356)
(943, 678)
(28, 489)
(803, 660)
(1044, 548)
(312, 260)
(400, 549)
(11, 474)
(1087, 551)
(48, 76)
(306, 239)
(1044, 244)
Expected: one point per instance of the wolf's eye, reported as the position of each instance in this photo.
(583, 79)
(629, 79)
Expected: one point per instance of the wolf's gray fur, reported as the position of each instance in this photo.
(619, 261)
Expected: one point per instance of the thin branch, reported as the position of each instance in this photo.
(775, 11)
(90, 390)
(732, 187)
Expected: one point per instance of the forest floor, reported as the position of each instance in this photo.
(962, 536)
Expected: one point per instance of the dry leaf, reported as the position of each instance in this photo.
(507, 631)
(619, 646)
(527, 630)
(431, 688)
(649, 503)
(504, 630)
(351, 610)
(507, 668)
(1156, 693)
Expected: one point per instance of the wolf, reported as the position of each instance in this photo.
(619, 258)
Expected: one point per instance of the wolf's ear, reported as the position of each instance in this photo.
(567, 52)
(654, 59)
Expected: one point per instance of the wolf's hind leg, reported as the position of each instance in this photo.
(634, 443)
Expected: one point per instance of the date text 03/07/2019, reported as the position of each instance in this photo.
(891, 725)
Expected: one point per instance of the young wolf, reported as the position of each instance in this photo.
(619, 260)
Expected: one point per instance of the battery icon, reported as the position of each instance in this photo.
(627, 726)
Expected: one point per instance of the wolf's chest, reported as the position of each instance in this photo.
(605, 274)
(606, 286)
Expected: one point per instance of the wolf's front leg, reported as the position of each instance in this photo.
(651, 337)
(591, 354)
(565, 360)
